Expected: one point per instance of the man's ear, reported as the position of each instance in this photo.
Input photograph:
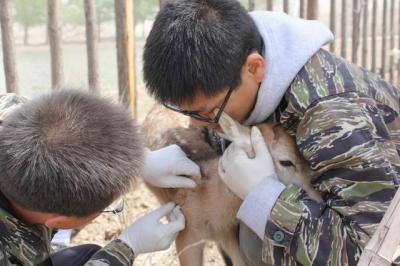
(58, 221)
(255, 66)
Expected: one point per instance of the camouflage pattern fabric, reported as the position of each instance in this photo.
(115, 253)
(8, 102)
(22, 244)
(347, 126)
(25, 244)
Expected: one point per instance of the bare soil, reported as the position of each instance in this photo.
(138, 202)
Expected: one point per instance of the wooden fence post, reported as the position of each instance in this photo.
(92, 46)
(312, 9)
(343, 48)
(270, 5)
(332, 24)
(398, 57)
(392, 51)
(364, 53)
(384, 38)
(7, 36)
(125, 53)
(286, 7)
(384, 243)
(252, 5)
(373, 39)
(55, 40)
(302, 11)
(356, 30)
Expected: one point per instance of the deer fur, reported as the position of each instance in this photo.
(289, 164)
(210, 208)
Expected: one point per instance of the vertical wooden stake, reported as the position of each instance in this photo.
(7, 36)
(125, 53)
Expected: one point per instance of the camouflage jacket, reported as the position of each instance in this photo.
(347, 126)
(26, 244)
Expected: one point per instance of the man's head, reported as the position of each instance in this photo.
(197, 50)
(68, 153)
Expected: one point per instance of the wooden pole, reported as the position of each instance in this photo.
(54, 31)
(332, 24)
(373, 39)
(384, 38)
(7, 37)
(356, 30)
(392, 48)
(398, 58)
(398, 61)
(384, 243)
(312, 9)
(92, 46)
(286, 7)
(252, 5)
(343, 48)
(302, 11)
(364, 52)
(125, 53)
(270, 5)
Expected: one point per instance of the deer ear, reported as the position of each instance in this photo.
(228, 127)
(233, 130)
(276, 131)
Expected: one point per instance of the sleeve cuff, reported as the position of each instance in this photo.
(258, 204)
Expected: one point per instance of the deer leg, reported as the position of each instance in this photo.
(190, 248)
(230, 244)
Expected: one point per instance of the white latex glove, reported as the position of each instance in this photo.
(167, 167)
(240, 173)
(148, 234)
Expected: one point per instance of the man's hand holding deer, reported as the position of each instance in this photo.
(249, 178)
(169, 167)
(241, 173)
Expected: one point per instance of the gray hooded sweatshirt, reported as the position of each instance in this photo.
(288, 44)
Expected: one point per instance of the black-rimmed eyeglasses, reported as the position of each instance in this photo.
(115, 207)
(197, 115)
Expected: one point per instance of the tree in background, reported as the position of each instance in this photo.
(104, 13)
(145, 9)
(29, 13)
(7, 39)
(74, 13)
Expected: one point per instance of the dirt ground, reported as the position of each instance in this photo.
(137, 203)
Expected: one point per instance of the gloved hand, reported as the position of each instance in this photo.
(147, 234)
(240, 173)
(167, 167)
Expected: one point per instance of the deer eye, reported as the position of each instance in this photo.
(286, 163)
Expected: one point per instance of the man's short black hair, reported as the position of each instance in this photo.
(68, 152)
(197, 45)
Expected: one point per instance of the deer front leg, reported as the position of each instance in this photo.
(190, 248)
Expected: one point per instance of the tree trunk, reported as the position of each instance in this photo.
(312, 9)
(7, 36)
(92, 46)
(252, 5)
(125, 53)
(161, 3)
(98, 30)
(26, 34)
(270, 5)
(54, 31)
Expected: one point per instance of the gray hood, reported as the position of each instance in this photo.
(288, 44)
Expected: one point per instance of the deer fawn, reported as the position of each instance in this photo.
(210, 208)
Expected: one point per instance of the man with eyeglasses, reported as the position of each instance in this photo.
(267, 66)
(65, 157)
